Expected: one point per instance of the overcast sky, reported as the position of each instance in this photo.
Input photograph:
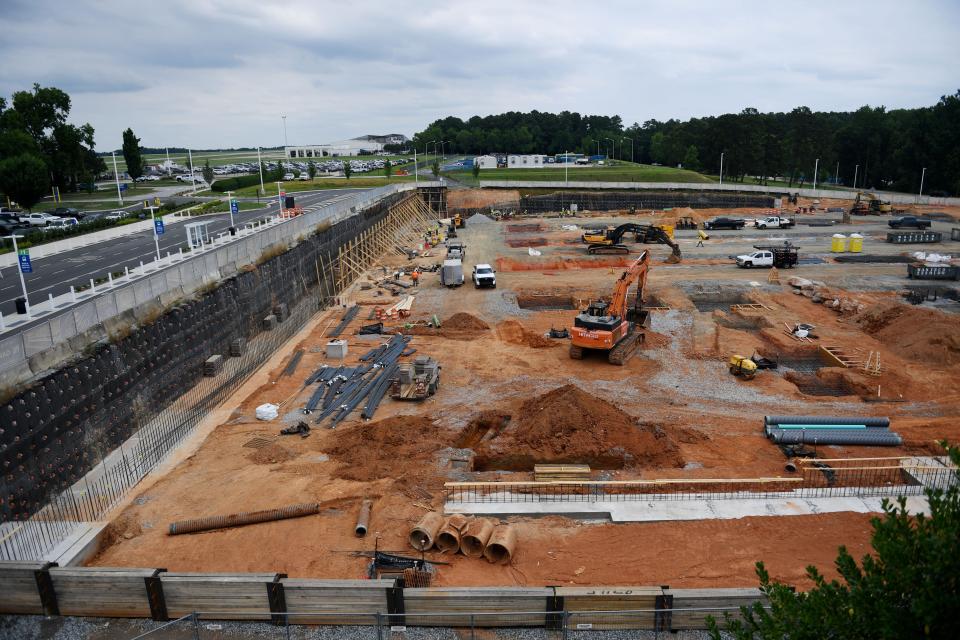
(219, 73)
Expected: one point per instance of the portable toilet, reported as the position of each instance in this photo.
(838, 244)
(856, 243)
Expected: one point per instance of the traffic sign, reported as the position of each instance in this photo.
(23, 255)
(283, 193)
(234, 206)
(123, 187)
(158, 226)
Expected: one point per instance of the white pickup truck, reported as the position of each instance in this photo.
(484, 276)
(774, 222)
(755, 259)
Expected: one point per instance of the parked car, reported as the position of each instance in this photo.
(910, 221)
(38, 219)
(724, 223)
(116, 215)
(304, 176)
(61, 223)
(288, 176)
(68, 212)
(484, 276)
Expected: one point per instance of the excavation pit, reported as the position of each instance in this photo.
(526, 242)
(811, 385)
(707, 302)
(525, 228)
(546, 302)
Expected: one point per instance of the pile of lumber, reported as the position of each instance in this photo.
(561, 472)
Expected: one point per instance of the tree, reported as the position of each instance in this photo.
(207, 172)
(906, 589)
(435, 168)
(691, 159)
(347, 169)
(658, 150)
(311, 170)
(132, 155)
(24, 178)
(387, 169)
(476, 170)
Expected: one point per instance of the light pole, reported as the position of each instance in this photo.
(285, 144)
(612, 147)
(279, 197)
(416, 174)
(156, 237)
(836, 176)
(855, 170)
(566, 165)
(721, 167)
(230, 206)
(23, 283)
(260, 164)
(922, 176)
(193, 180)
(631, 146)
(116, 176)
(816, 166)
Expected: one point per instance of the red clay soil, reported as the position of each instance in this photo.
(924, 335)
(271, 454)
(561, 264)
(569, 425)
(513, 332)
(465, 321)
(388, 448)
(459, 326)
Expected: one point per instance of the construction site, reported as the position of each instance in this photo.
(512, 405)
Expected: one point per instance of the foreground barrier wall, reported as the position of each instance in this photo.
(60, 427)
(160, 595)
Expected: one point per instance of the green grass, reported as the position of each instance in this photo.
(219, 158)
(322, 183)
(620, 172)
(783, 183)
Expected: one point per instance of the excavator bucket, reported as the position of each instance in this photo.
(672, 259)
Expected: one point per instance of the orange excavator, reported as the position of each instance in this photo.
(613, 327)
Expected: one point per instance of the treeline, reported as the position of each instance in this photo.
(882, 149)
(40, 149)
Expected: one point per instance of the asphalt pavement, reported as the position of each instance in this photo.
(55, 274)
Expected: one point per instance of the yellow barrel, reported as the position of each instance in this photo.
(838, 244)
(856, 243)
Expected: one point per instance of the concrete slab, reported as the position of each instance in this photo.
(81, 545)
(675, 510)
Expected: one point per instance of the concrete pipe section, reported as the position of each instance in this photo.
(502, 545)
(424, 533)
(363, 520)
(239, 519)
(475, 538)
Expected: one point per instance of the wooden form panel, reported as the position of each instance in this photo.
(453, 606)
(611, 599)
(686, 599)
(19, 592)
(315, 601)
(218, 596)
(102, 592)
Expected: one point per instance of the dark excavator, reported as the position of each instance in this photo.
(612, 240)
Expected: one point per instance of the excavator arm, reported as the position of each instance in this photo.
(636, 272)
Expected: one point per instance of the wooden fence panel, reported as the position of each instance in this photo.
(313, 601)
(102, 592)
(685, 599)
(610, 599)
(18, 587)
(454, 606)
(220, 596)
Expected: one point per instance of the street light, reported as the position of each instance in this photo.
(855, 170)
(280, 198)
(23, 283)
(193, 179)
(721, 168)
(443, 152)
(613, 147)
(116, 176)
(922, 175)
(260, 165)
(285, 145)
(631, 146)
(156, 237)
(816, 167)
(566, 165)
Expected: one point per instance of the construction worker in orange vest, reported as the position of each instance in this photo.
(415, 276)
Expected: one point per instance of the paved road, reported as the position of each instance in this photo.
(55, 274)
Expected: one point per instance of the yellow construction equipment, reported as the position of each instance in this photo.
(744, 367)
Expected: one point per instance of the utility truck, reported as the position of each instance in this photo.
(774, 222)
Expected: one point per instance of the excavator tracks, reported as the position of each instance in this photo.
(601, 249)
(625, 349)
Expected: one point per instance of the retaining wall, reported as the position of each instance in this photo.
(42, 589)
(62, 425)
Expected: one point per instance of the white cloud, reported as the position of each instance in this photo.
(217, 73)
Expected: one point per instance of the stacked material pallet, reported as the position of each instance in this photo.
(690, 607)
(826, 430)
(211, 365)
(591, 607)
(19, 587)
(102, 592)
(561, 472)
(914, 237)
(452, 607)
(325, 601)
(230, 596)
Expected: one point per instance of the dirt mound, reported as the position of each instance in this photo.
(271, 454)
(481, 198)
(389, 448)
(571, 426)
(465, 321)
(924, 335)
(513, 332)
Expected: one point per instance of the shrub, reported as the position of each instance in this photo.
(232, 184)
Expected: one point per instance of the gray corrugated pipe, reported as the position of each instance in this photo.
(868, 437)
(865, 420)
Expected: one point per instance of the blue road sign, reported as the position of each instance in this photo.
(123, 186)
(234, 206)
(158, 226)
(23, 255)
